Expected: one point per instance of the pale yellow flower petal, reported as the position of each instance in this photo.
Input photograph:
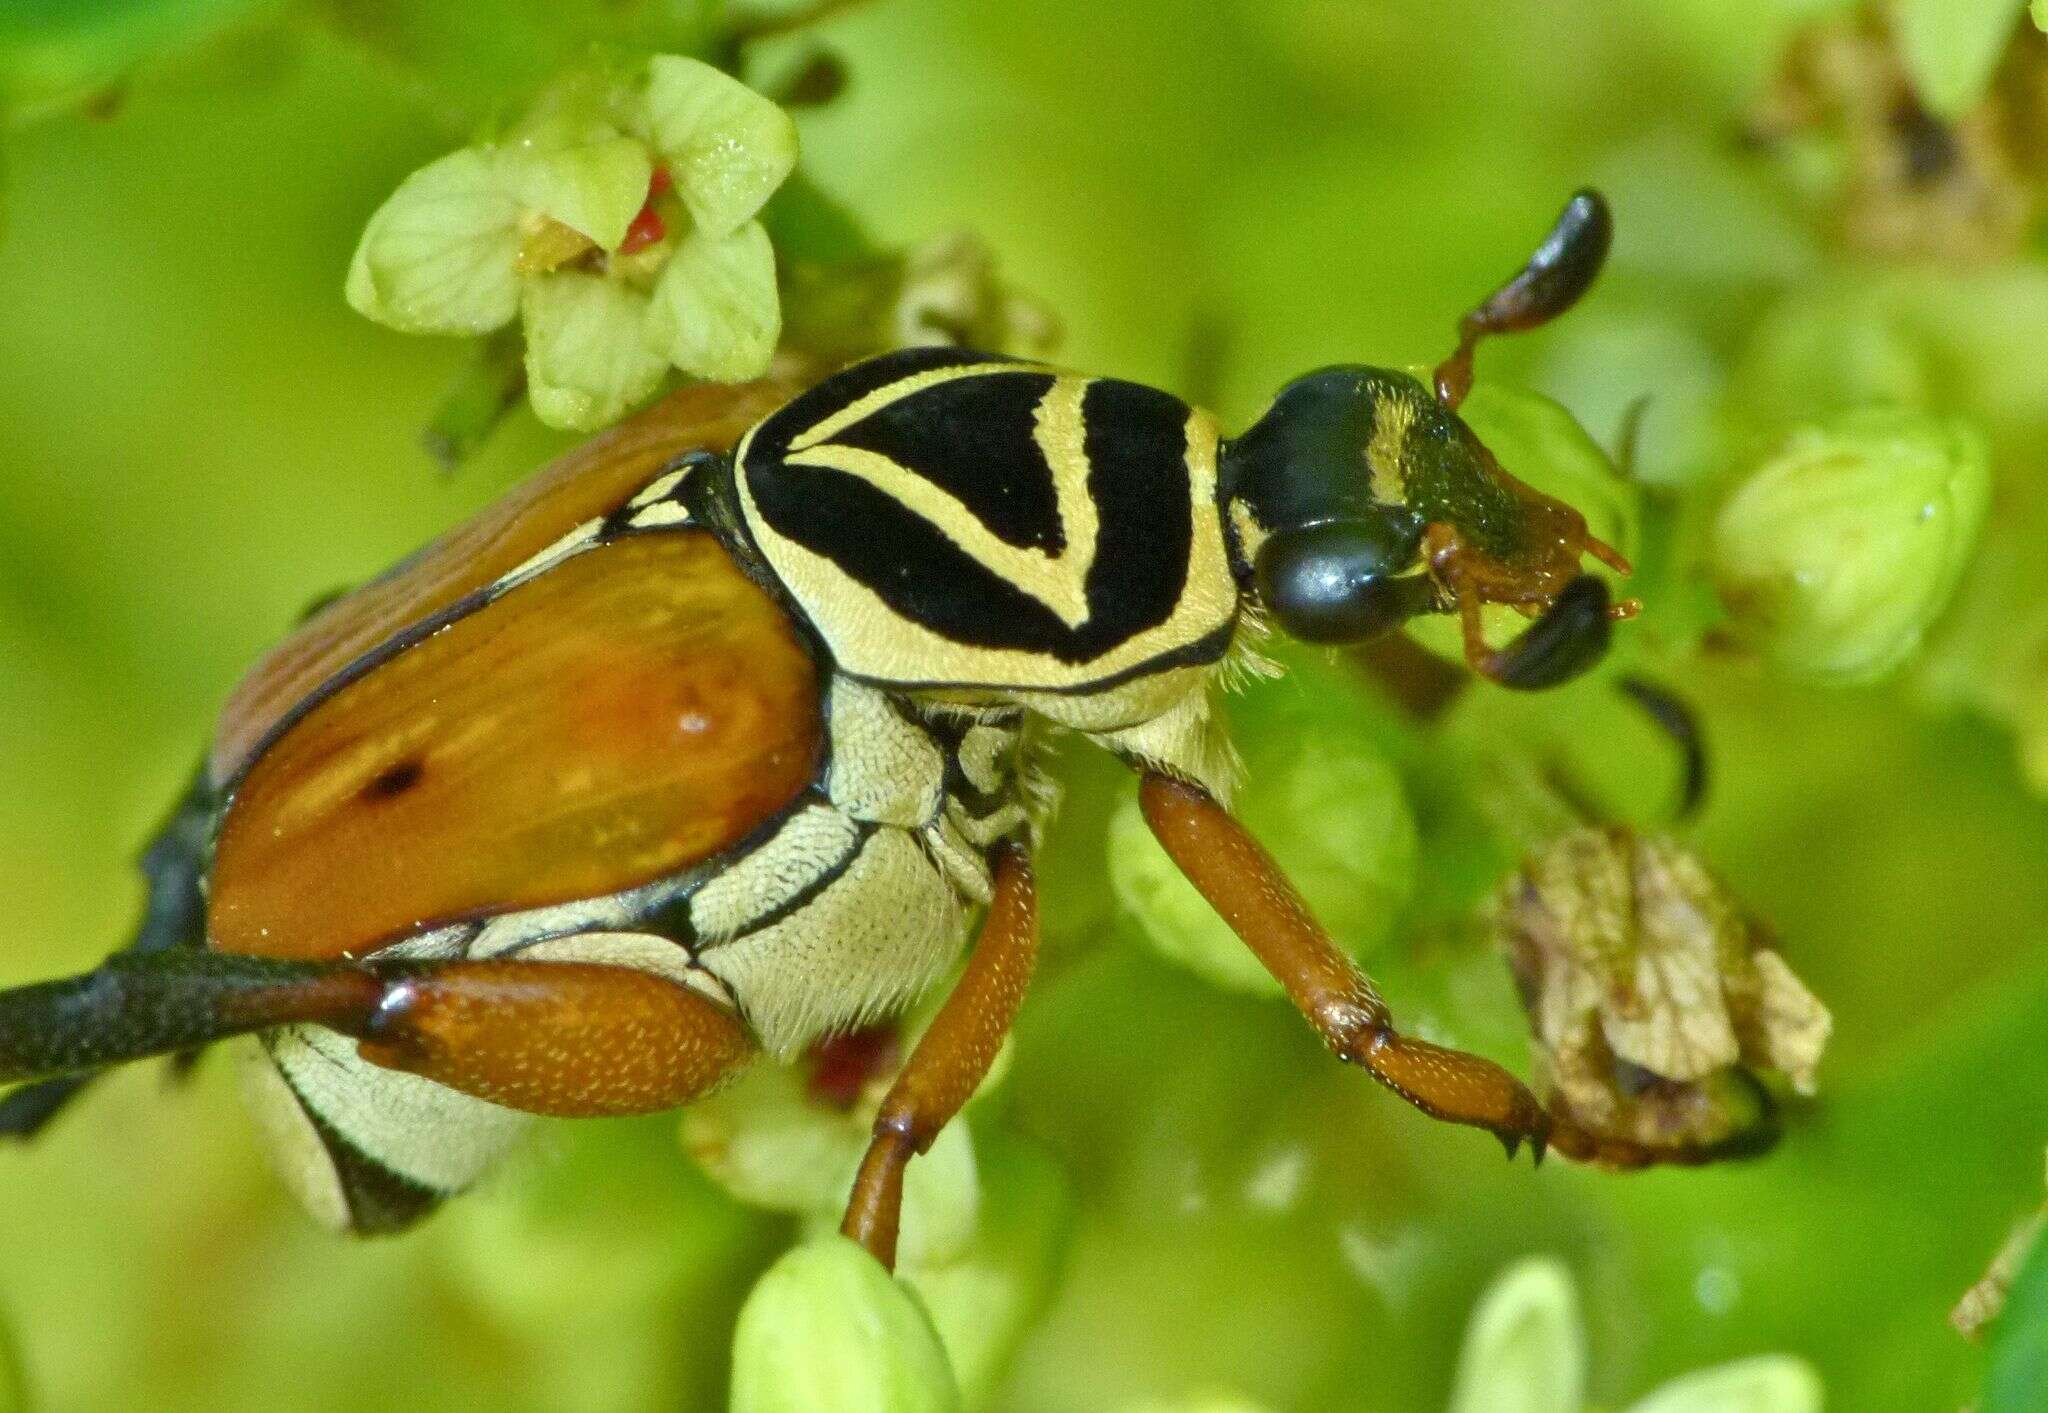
(437, 256)
(587, 360)
(1524, 1352)
(595, 187)
(725, 145)
(716, 312)
(1771, 1383)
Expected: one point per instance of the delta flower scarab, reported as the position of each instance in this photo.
(711, 740)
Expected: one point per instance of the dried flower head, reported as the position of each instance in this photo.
(1653, 998)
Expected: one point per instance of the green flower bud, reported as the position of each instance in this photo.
(827, 1327)
(1330, 808)
(984, 1297)
(1524, 1351)
(1769, 1383)
(1836, 554)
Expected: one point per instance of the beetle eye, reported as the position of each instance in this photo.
(1337, 582)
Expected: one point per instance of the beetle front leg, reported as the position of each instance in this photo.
(568, 1039)
(1246, 887)
(952, 1057)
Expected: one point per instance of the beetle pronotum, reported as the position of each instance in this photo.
(710, 740)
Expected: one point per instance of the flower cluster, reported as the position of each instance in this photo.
(616, 222)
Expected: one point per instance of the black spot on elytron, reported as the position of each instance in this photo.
(394, 780)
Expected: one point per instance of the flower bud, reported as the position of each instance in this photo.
(1836, 554)
(827, 1327)
(1333, 812)
(1652, 997)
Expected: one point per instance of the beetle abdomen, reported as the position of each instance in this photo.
(636, 709)
(948, 518)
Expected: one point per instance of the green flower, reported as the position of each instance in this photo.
(1836, 555)
(617, 222)
(1525, 1352)
(827, 1327)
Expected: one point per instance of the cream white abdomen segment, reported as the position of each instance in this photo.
(430, 1135)
(864, 945)
(810, 845)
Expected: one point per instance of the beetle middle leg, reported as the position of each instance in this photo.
(1246, 887)
(952, 1057)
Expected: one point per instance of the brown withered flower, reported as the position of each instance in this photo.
(1654, 1000)
(1905, 180)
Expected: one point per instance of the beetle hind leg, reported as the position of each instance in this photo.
(173, 916)
(1248, 890)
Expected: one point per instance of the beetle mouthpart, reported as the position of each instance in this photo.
(1570, 637)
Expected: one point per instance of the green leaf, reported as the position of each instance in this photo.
(437, 257)
(588, 362)
(1952, 47)
(827, 1327)
(2040, 12)
(2017, 1381)
(1771, 1383)
(716, 312)
(1524, 1352)
(725, 145)
(56, 53)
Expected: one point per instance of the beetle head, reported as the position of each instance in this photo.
(1361, 498)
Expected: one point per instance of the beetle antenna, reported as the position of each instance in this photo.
(134, 1006)
(1562, 269)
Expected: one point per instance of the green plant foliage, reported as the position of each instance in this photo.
(1175, 1199)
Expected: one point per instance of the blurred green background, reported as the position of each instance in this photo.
(197, 436)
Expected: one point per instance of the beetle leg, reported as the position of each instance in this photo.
(174, 915)
(135, 1005)
(572, 1039)
(1246, 887)
(952, 1057)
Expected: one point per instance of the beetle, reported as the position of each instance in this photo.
(710, 741)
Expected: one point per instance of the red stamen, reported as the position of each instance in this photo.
(647, 228)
